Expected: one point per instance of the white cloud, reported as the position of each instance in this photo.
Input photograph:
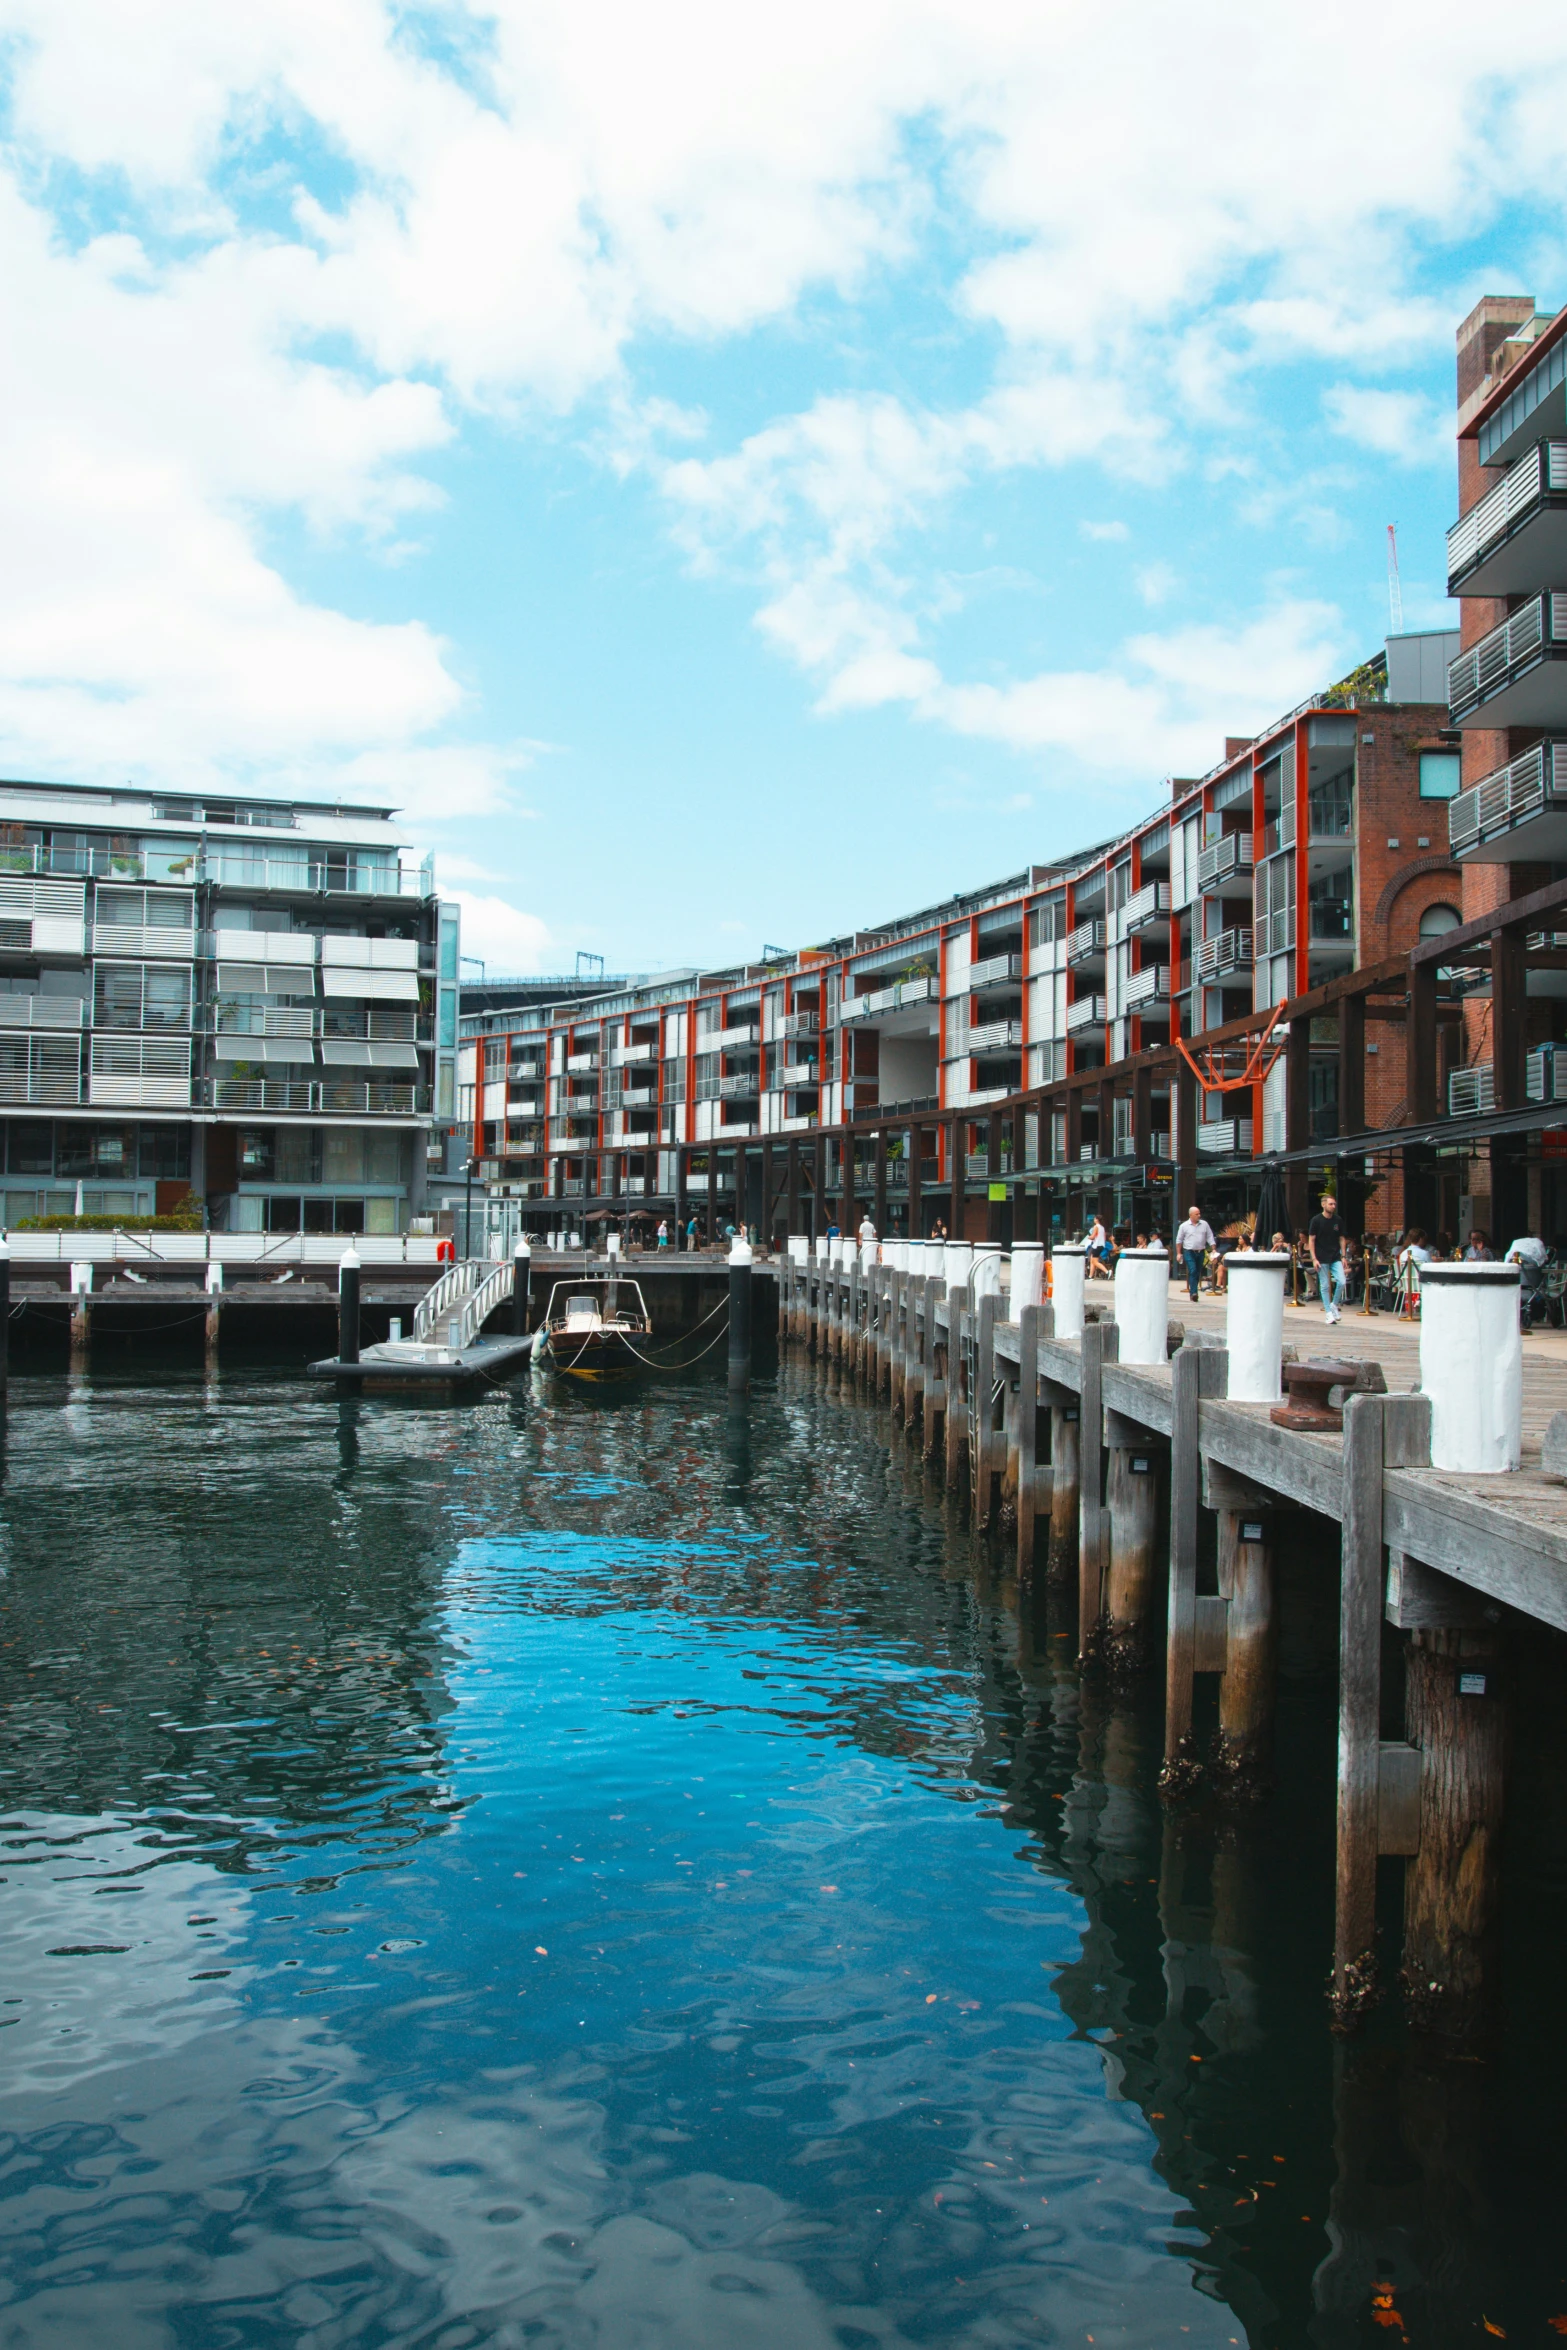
(1156, 582)
(1405, 426)
(320, 248)
(500, 935)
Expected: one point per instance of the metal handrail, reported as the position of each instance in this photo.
(456, 1283)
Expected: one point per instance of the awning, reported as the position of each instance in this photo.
(354, 1052)
(383, 986)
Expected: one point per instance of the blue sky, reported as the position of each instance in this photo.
(730, 476)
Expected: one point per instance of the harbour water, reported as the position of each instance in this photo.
(624, 1872)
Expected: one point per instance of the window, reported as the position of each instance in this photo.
(142, 995)
(1437, 920)
(1438, 775)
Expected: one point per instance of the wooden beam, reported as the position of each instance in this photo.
(1355, 1988)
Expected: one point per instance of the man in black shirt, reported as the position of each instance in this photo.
(1326, 1238)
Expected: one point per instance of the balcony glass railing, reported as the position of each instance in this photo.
(1516, 498)
(1533, 785)
(1332, 919)
(1535, 630)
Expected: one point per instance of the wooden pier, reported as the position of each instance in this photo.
(1161, 1498)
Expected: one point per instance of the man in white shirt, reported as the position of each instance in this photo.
(867, 1229)
(1192, 1241)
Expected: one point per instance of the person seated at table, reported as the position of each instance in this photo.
(1479, 1251)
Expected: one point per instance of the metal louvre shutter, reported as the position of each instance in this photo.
(382, 986)
(136, 1071)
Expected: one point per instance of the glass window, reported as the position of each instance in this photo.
(283, 1213)
(31, 1148)
(169, 860)
(255, 1156)
(318, 1215)
(165, 1153)
(1439, 774)
(382, 1155)
(294, 1155)
(349, 1215)
(166, 998)
(381, 1215)
(342, 1156)
(1436, 920)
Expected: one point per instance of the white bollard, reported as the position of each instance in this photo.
(1254, 1324)
(1471, 1366)
(957, 1257)
(1068, 1280)
(81, 1277)
(798, 1245)
(1028, 1276)
(986, 1274)
(822, 1247)
(870, 1250)
(612, 1245)
(1142, 1304)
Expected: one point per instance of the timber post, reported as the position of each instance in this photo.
(934, 1399)
(1195, 1371)
(1355, 1988)
(1026, 1426)
(983, 1410)
(955, 1420)
(1099, 1344)
(1132, 1582)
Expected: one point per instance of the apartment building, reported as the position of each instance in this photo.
(1013, 1057)
(252, 1001)
(1507, 562)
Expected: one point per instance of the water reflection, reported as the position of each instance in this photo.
(552, 1871)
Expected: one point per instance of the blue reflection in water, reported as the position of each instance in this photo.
(518, 1877)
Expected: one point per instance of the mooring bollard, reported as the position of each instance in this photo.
(1028, 1277)
(739, 1315)
(81, 1314)
(1471, 1365)
(1254, 1323)
(348, 1307)
(1142, 1305)
(1068, 1281)
(521, 1285)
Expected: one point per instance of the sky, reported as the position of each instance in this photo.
(730, 476)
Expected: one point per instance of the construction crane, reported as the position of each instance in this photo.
(1395, 594)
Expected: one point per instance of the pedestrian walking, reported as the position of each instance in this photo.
(1192, 1242)
(1325, 1239)
(663, 1232)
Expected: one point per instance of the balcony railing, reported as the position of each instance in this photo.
(524, 1105)
(42, 1011)
(1516, 499)
(1085, 942)
(627, 1056)
(1535, 785)
(994, 971)
(266, 1020)
(1222, 861)
(1515, 660)
(263, 1093)
(1224, 1137)
(1332, 920)
(796, 1124)
(1148, 986)
(1089, 1011)
(639, 1097)
(730, 1039)
(1150, 904)
(739, 1088)
(576, 1062)
(800, 1024)
(888, 999)
(1230, 951)
(992, 1036)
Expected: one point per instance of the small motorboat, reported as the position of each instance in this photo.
(594, 1329)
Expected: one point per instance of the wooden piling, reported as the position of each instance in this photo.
(1132, 1584)
(935, 1396)
(1065, 1491)
(982, 1411)
(1195, 1371)
(1355, 1988)
(1455, 1713)
(213, 1330)
(81, 1330)
(1099, 1346)
(955, 1427)
(1243, 1757)
(1026, 1430)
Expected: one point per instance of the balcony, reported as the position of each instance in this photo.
(639, 1097)
(1151, 985)
(42, 1069)
(797, 1125)
(263, 1093)
(1223, 862)
(1085, 944)
(1089, 1011)
(1511, 677)
(139, 1072)
(1518, 813)
(1517, 535)
(995, 1036)
(996, 970)
(1230, 951)
(745, 1086)
(298, 1020)
(796, 1073)
(630, 1056)
(1331, 921)
(1151, 905)
(42, 917)
(42, 1011)
(800, 1024)
(1224, 1138)
(578, 1062)
(524, 1105)
(730, 1040)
